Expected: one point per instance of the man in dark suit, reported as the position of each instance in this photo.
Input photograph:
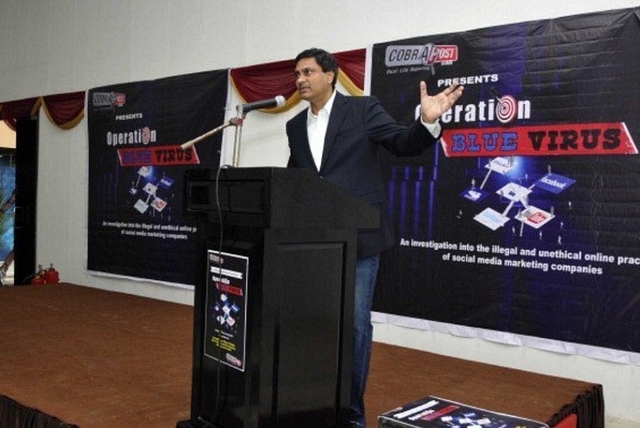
(338, 137)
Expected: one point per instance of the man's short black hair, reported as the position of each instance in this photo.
(324, 59)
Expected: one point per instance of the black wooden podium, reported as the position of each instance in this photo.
(273, 310)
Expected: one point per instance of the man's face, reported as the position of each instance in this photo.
(314, 85)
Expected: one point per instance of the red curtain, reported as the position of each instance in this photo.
(268, 80)
(64, 110)
(252, 83)
(14, 110)
(263, 81)
(352, 65)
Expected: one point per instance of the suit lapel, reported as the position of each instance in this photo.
(335, 122)
(300, 130)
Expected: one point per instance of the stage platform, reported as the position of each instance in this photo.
(77, 356)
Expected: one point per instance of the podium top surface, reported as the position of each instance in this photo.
(282, 197)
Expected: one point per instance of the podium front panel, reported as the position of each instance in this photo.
(297, 352)
(290, 366)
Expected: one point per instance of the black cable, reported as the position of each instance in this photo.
(218, 407)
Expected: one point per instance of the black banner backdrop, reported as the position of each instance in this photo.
(137, 226)
(526, 219)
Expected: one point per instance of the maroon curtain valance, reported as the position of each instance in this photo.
(268, 80)
(263, 81)
(64, 110)
(252, 83)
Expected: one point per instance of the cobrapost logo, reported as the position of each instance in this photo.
(420, 55)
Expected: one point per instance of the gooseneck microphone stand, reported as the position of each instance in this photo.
(237, 122)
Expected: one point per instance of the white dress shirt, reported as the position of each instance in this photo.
(317, 129)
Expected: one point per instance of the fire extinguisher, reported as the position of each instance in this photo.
(51, 275)
(38, 278)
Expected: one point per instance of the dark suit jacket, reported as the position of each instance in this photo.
(358, 126)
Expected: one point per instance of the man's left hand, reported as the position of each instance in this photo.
(432, 107)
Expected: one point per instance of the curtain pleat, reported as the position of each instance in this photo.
(14, 414)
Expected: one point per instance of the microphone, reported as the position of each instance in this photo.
(271, 102)
(237, 121)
